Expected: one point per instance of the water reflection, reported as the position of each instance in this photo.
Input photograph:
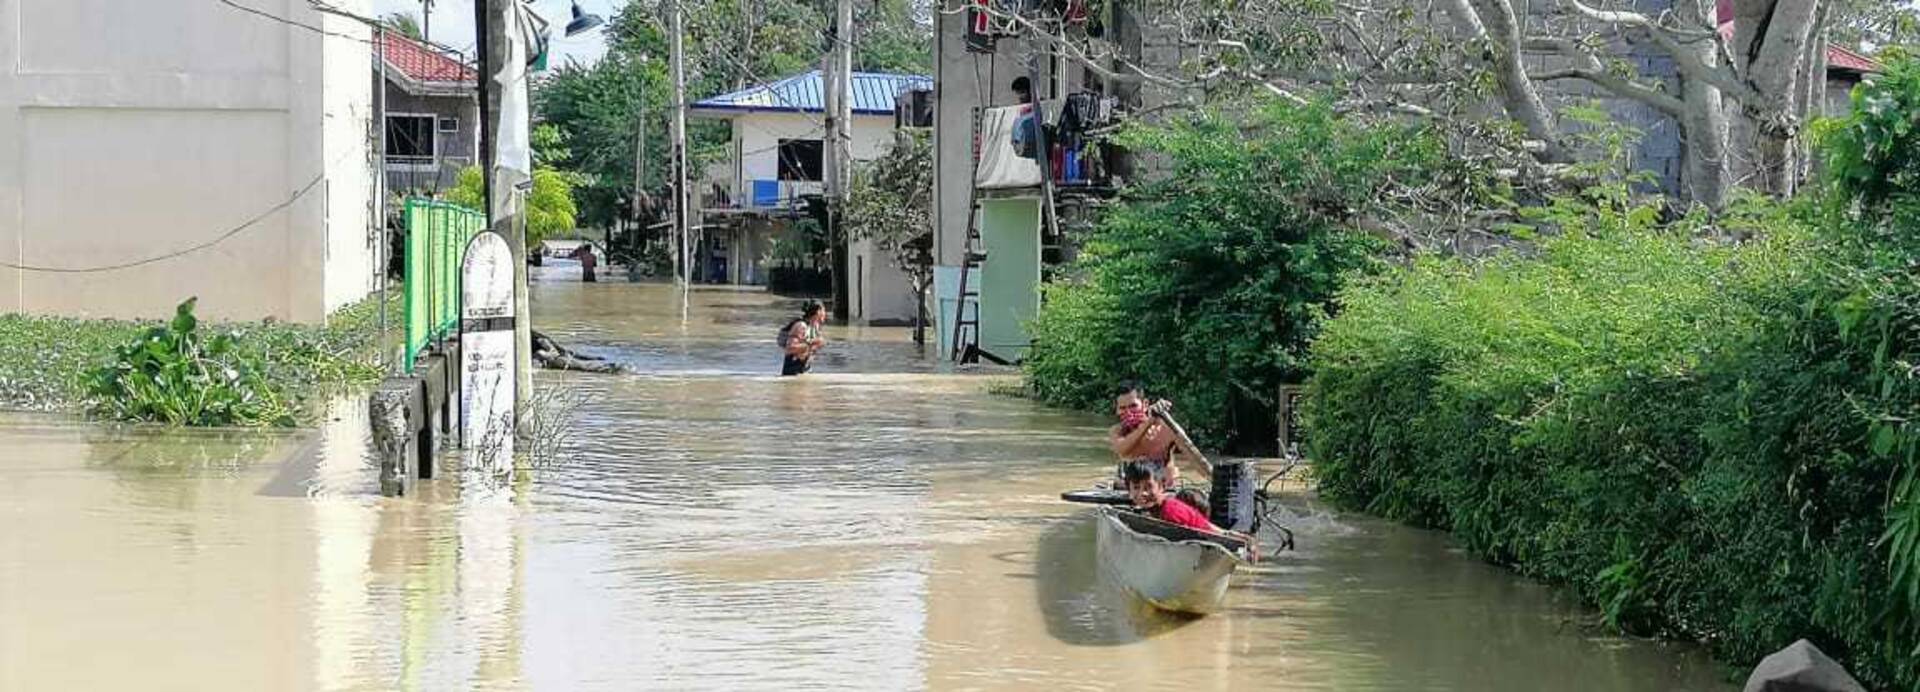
(879, 525)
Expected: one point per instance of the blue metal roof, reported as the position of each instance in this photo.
(873, 93)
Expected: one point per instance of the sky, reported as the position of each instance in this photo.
(452, 25)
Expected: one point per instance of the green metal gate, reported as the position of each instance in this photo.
(437, 235)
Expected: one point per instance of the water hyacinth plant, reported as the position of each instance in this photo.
(176, 374)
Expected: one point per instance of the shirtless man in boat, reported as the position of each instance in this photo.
(1141, 435)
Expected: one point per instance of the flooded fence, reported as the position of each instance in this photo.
(437, 237)
(413, 411)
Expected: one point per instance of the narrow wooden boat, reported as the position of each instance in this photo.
(1170, 566)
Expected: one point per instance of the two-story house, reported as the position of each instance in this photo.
(431, 114)
(776, 163)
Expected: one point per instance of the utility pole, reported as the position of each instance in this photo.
(380, 187)
(504, 202)
(639, 176)
(426, 21)
(838, 74)
(682, 205)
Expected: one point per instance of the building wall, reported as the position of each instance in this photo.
(882, 294)
(756, 150)
(457, 150)
(186, 133)
(1010, 278)
(348, 256)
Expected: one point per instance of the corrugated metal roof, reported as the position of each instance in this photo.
(873, 94)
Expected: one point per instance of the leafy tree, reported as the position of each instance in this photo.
(891, 205)
(550, 208)
(1740, 102)
(404, 23)
(1208, 283)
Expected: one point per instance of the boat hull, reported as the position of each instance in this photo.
(1171, 567)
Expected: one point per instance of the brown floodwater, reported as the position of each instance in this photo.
(883, 524)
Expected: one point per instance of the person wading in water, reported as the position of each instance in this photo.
(800, 339)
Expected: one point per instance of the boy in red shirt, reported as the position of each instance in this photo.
(1143, 485)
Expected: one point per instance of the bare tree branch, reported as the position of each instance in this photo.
(1590, 69)
(1684, 57)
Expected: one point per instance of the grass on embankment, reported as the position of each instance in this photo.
(44, 361)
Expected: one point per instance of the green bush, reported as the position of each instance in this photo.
(1706, 440)
(1206, 285)
(178, 375)
(1668, 424)
(47, 363)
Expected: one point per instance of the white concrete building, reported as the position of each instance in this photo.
(156, 150)
(777, 161)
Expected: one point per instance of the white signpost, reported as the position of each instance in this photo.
(486, 354)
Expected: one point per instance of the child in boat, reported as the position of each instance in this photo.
(1152, 498)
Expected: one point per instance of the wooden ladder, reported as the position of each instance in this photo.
(966, 325)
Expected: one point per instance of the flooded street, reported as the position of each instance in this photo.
(880, 524)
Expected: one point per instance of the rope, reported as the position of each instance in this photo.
(309, 27)
(223, 237)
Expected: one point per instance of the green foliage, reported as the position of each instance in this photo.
(175, 374)
(1704, 439)
(802, 244)
(550, 145)
(891, 204)
(404, 23)
(46, 363)
(1873, 155)
(550, 208)
(1663, 423)
(1207, 284)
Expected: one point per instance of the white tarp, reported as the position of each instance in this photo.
(511, 140)
(1000, 166)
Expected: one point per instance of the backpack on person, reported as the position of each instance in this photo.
(786, 334)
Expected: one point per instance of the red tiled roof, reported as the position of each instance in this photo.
(1837, 58)
(1842, 59)
(423, 63)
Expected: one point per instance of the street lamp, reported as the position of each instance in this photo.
(583, 21)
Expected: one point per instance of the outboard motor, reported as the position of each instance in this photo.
(1230, 504)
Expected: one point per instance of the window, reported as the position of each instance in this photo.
(410, 136)
(800, 159)
(449, 125)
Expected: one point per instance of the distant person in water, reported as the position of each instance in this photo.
(584, 253)
(801, 339)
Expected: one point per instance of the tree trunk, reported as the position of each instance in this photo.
(1494, 21)
(1705, 128)
(1772, 47)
